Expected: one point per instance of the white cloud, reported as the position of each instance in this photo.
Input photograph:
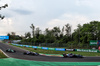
(46, 14)
(54, 22)
(5, 1)
(84, 2)
(7, 22)
(6, 26)
(73, 19)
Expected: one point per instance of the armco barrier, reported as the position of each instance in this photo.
(46, 48)
(60, 49)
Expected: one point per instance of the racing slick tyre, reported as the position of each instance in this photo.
(37, 54)
(80, 56)
(25, 53)
(64, 55)
(6, 50)
(14, 51)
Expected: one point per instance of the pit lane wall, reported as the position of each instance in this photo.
(58, 49)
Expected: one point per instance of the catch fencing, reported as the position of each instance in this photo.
(70, 46)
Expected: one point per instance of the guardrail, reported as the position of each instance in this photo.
(59, 49)
(38, 47)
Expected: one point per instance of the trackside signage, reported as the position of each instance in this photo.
(87, 50)
(21, 45)
(46, 48)
(30, 46)
(24, 45)
(14, 44)
(39, 47)
(69, 49)
(34, 46)
(93, 42)
(60, 49)
(27, 45)
(51, 48)
(4, 37)
(98, 43)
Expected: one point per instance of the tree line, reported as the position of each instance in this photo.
(54, 35)
(80, 36)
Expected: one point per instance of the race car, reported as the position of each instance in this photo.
(31, 53)
(10, 50)
(70, 55)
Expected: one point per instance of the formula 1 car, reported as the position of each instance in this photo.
(31, 53)
(70, 55)
(10, 50)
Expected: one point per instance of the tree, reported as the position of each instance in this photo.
(49, 37)
(28, 35)
(68, 29)
(62, 32)
(46, 31)
(37, 32)
(89, 31)
(33, 28)
(13, 36)
(13, 33)
(9, 36)
(41, 38)
(56, 31)
(6, 5)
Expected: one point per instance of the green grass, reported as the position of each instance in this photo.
(2, 55)
(59, 52)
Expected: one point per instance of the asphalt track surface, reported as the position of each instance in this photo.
(19, 55)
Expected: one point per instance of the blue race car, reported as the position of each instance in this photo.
(31, 53)
(70, 55)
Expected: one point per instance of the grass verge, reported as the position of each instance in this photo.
(59, 52)
(2, 55)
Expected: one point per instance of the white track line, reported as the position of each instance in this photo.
(4, 53)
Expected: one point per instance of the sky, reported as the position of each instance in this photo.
(20, 14)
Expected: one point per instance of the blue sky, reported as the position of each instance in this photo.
(46, 14)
